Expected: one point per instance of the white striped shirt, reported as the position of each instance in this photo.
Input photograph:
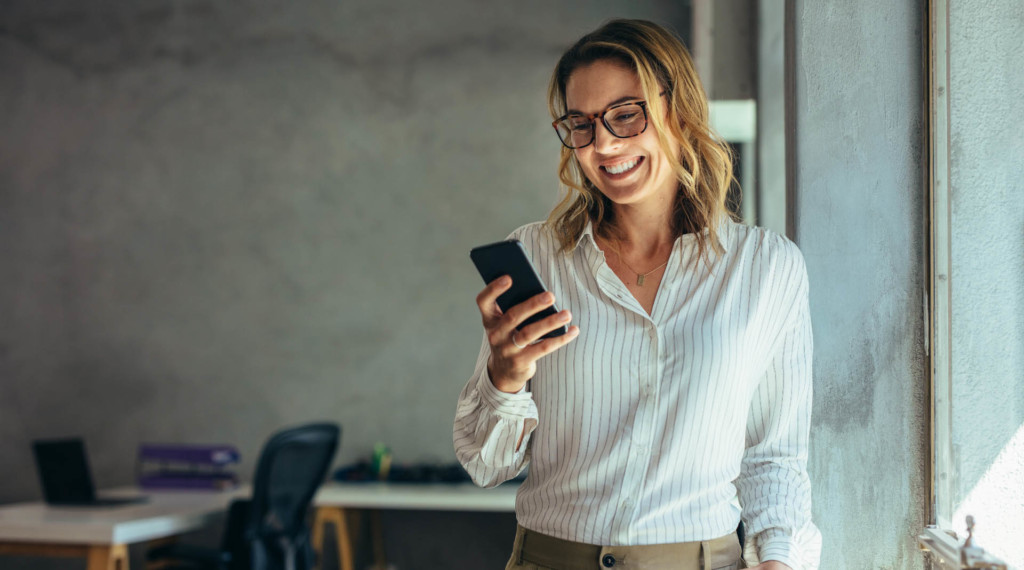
(648, 429)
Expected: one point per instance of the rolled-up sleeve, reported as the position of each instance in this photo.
(773, 486)
(488, 425)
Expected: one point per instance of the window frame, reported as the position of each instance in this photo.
(938, 538)
(940, 263)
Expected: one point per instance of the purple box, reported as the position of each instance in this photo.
(193, 454)
(178, 466)
(213, 481)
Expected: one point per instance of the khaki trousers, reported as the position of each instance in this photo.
(536, 551)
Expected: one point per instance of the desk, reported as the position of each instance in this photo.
(333, 499)
(101, 535)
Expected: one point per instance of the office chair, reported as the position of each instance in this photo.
(269, 530)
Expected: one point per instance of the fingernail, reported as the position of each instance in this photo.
(564, 316)
(505, 280)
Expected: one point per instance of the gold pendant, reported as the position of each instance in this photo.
(640, 280)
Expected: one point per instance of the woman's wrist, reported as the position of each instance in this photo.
(504, 384)
(509, 387)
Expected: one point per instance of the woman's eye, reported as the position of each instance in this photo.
(625, 117)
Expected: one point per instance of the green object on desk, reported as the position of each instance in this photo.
(381, 463)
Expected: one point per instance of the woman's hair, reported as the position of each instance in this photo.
(703, 166)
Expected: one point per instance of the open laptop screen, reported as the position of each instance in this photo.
(64, 471)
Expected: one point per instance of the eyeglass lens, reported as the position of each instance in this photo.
(623, 121)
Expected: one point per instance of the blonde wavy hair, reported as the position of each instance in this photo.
(704, 166)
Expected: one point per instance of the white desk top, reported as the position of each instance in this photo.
(418, 496)
(169, 513)
(166, 513)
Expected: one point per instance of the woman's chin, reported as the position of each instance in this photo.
(624, 195)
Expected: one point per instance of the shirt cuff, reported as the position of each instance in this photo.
(777, 544)
(519, 404)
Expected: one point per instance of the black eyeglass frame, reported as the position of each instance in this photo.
(592, 119)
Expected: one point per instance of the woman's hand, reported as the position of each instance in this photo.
(510, 366)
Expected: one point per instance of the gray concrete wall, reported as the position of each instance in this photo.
(860, 216)
(220, 218)
(987, 277)
(771, 116)
(733, 49)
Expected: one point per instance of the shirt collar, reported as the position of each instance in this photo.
(721, 235)
(588, 234)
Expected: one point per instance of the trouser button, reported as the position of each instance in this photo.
(608, 561)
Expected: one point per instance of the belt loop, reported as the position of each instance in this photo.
(703, 556)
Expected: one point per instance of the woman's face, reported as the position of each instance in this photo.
(632, 171)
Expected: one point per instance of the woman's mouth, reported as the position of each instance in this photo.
(622, 169)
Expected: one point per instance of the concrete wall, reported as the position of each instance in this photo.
(987, 277)
(771, 115)
(859, 199)
(725, 47)
(220, 218)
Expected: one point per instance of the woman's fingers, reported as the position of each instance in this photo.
(549, 345)
(537, 330)
(513, 359)
(529, 344)
(487, 300)
(516, 315)
(524, 358)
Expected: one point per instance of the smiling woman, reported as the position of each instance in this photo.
(627, 169)
(684, 389)
(660, 77)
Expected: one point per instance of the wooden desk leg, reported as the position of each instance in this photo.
(336, 517)
(107, 557)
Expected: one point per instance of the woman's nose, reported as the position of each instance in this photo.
(603, 138)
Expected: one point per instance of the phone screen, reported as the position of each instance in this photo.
(509, 258)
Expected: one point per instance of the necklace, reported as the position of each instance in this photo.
(640, 277)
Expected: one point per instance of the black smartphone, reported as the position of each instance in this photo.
(509, 258)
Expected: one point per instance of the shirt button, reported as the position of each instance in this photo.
(608, 561)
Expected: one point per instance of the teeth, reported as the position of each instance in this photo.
(620, 168)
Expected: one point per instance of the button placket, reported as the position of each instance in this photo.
(643, 431)
(657, 359)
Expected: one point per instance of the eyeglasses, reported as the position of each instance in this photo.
(624, 120)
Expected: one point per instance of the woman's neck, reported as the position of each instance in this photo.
(643, 234)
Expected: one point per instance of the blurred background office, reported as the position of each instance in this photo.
(219, 218)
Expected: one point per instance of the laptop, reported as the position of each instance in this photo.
(65, 476)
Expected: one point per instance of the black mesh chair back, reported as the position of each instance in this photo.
(292, 465)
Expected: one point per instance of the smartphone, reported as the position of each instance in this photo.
(509, 258)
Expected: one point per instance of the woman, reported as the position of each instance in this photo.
(678, 404)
